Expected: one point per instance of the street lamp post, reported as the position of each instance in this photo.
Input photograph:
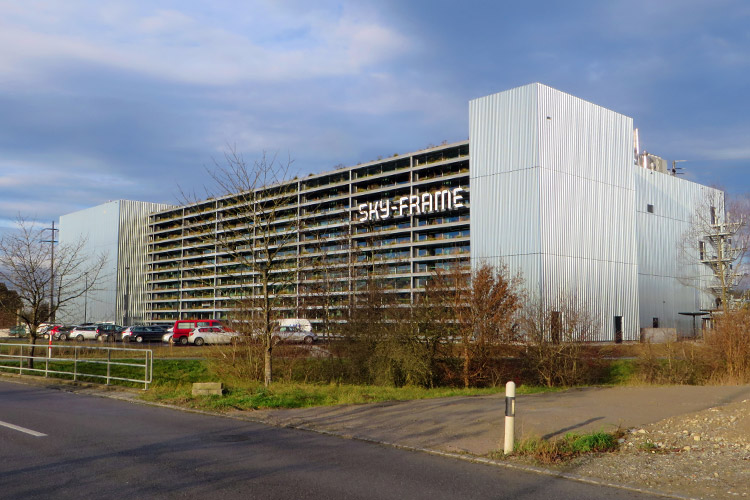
(126, 319)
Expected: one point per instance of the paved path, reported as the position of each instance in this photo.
(475, 424)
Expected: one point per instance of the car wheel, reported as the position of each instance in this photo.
(183, 341)
(308, 340)
(275, 339)
(63, 337)
(79, 337)
(198, 341)
(139, 339)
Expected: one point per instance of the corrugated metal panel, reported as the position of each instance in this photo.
(674, 202)
(132, 252)
(97, 227)
(505, 181)
(552, 182)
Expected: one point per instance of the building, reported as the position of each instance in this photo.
(119, 230)
(549, 184)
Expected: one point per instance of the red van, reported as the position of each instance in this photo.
(183, 327)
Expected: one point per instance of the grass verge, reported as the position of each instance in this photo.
(564, 449)
(254, 396)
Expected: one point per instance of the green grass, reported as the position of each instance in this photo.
(566, 448)
(622, 372)
(253, 396)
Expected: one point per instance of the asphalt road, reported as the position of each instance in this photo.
(102, 448)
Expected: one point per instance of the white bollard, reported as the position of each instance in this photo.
(510, 416)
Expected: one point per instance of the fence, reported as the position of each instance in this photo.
(112, 364)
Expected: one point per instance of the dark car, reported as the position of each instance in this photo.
(143, 334)
(108, 332)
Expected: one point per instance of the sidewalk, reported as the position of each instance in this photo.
(475, 424)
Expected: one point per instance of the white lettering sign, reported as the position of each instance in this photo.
(405, 206)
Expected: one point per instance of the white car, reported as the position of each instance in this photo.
(87, 332)
(212, 335)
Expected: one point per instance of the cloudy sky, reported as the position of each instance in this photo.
(133, 100)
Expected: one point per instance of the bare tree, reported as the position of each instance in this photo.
(714, 247)
(26, 266)
(257, 233)
(555, 337)
(484, 304)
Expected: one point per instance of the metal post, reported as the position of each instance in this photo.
(52, 242)
(510, 416)
(86, 298)
(109, 359)
(75, 363)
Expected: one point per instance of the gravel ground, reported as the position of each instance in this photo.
(699, 455)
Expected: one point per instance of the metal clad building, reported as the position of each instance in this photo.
(557, 199)
(554, 188)
(117, 229)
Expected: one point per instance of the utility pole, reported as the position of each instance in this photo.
(52, 242)
(86, 298)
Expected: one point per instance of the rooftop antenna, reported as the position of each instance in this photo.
(675, 168)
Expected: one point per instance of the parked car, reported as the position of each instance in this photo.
(183, 327)
(18, 331)
(81, 333)
(292, 334)
(61, 332)
(108, 331)
(142, 333)
(212, 335)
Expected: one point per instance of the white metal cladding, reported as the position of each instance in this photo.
(551, 178)
(505, 182)
(674, 202)
(132, 249)
(582, 139)
(97, 228)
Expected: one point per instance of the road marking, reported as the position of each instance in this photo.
(21, 429)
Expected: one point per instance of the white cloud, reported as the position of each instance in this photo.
(186, 47)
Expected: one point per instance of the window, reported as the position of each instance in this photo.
(650, 208)
(713, 215)
(618, 329)
(555, 326)
(701, 250)
(655, 323)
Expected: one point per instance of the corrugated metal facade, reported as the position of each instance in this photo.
(130, 304)
(118, 229)
(673, 202)
(557, 187)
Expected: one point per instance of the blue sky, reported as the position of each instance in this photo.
(133, 100)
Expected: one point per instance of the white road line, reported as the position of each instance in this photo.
(21, 429)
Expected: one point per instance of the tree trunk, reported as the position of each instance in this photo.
(466, 363)
(267, 356)
(30, 359)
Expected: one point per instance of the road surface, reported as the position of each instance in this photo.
(56, 444)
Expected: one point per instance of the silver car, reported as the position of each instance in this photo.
(292, 334)
(80, 333)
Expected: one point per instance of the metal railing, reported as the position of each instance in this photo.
(84, 362)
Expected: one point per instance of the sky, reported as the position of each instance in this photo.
(137, 100)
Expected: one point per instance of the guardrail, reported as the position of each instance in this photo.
(109, 363)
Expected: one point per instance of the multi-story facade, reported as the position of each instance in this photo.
(411, 216)
(550, 185)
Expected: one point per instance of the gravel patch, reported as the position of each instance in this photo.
(699, 455)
